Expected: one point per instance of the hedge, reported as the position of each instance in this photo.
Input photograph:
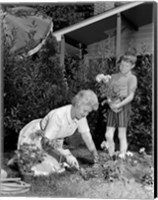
(36, 85)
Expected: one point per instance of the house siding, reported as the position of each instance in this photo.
(100, 7)
(142, 40)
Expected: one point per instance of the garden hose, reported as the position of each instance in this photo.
(9, 186)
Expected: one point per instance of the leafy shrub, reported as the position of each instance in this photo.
(139, 129)
(32, 87)
(79, 76)
(140, 126)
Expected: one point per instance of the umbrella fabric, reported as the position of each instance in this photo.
(25, 30)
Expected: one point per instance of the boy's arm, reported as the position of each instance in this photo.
(129, 98)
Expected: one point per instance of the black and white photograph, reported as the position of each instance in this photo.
(78, 99)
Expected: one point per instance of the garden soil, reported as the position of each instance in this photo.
(109, 179)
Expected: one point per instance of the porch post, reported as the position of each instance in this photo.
(62, 51)
(118, 35)
(62, 59)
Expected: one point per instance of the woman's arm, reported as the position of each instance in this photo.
(84, 130)
(87, 138)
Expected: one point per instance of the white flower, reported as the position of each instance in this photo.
(142, 150)
(99, 77)
(106, 78)
(135, 161)
(128, 153)
(104, 145)
(122, 155)
(102, 77)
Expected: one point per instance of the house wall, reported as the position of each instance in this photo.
(100, 7)
(142, 40)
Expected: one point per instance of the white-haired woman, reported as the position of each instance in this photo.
(48, 133)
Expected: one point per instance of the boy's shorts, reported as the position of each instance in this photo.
(119, 119)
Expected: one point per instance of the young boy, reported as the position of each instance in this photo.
(119, 111)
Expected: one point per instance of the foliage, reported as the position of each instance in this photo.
(139, 129)
(86, 184)
(130, 169)
(35, 85)
(81, 75)
(64, 15)
(25, 98)
(140, 126)
(32, 86)
(28, 155)
(109, 91)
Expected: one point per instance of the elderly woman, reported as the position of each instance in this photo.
(48, 133)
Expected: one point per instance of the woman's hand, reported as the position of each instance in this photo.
(95, 156)
(72, 161)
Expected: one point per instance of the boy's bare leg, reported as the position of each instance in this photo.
(123, 140)
(109, 135)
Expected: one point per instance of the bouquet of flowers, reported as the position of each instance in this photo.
(108, 90)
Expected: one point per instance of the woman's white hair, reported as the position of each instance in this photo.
(86, 97)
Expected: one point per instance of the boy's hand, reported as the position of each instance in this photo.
(122, 94)
(115, 107)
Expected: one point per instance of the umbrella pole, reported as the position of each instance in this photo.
(62, 51)
(62, 59)
(118, 35)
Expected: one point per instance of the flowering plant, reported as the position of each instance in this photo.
(108, 90)
(28, 155)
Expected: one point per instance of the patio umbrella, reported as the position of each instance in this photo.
(25, 30)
